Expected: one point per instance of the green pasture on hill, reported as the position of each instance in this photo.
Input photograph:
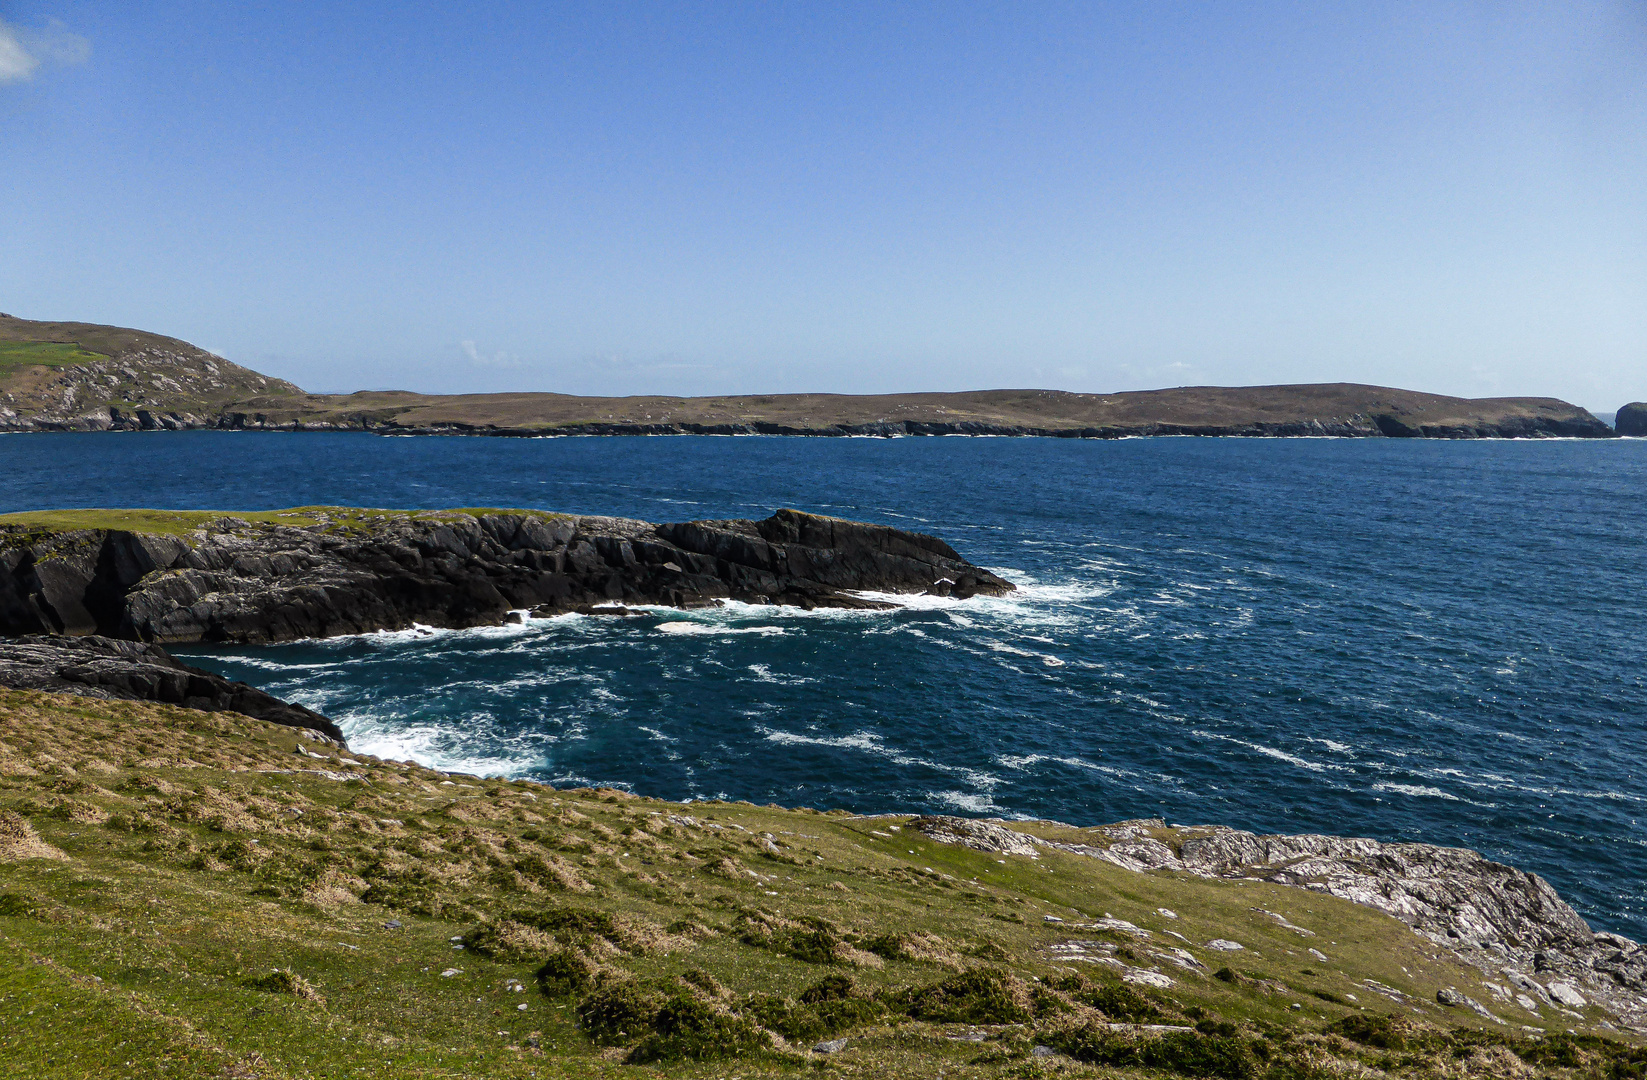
(16, 355)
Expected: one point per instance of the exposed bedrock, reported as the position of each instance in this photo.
(343, 572)
(1502, 920)
(101, 667)
(1632, 419)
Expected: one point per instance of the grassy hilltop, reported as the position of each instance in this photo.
(190, 894)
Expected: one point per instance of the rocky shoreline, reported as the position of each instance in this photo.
(1359, 428)
(333, 571)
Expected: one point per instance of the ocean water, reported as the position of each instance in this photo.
(1410, 640)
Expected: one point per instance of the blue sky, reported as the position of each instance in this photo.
(713, 198)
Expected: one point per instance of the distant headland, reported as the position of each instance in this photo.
(67, 376)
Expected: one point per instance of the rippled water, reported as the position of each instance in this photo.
(1414, 640)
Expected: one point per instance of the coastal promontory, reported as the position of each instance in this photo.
(176, 576)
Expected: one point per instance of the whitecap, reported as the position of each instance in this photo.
(1270, 751)
(870, 742)
(430, 746)
(763, 673)
(972, 804)
(1415, 789)
(698, 629)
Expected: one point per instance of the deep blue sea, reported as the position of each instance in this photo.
(1431, 641)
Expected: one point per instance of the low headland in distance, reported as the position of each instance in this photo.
(67, 376)
(203, 871)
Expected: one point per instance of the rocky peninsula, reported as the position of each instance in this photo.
(166, 577)
(156, 578)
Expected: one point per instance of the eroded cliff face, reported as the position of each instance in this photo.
(346, 572)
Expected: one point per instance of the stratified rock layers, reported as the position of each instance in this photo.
(348, 572)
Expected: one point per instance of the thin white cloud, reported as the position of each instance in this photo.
(499, 359)
(57, 45)
(16, 64)
(22, 52)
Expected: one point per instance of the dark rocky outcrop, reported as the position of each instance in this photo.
(1632, 419)
(101, 667)
(344, 572)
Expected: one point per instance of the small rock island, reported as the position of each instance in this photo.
(1632, 420)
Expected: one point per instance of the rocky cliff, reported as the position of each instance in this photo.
(322, 572)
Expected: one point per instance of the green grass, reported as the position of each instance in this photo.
(199, 912)
(16, 355)
(183, 522)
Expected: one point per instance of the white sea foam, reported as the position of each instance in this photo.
(282, 666)
(870, 742)
(1024, 762)
(971, 803)
(1415, 789)
(431, 745)
(1270, 751)
(698, 629)
(763, 673)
